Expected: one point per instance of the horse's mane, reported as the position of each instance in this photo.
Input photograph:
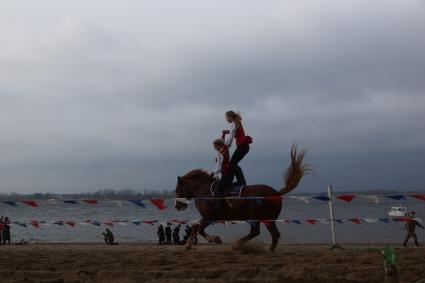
(197, 174)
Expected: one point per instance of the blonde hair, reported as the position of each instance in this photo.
(235, 117)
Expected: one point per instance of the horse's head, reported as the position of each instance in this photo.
(188, 184)
(182, 192)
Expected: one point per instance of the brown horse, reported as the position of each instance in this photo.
(197, 183)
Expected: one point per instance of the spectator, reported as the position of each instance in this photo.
(161, 234)
(176, 236)
(168, 233)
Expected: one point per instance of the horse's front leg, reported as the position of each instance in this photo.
(189, 242)
(210, 238)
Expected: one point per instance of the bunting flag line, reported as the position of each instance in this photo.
(160, 203)
(110, 223)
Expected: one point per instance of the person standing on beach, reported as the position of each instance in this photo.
(108, 237)
(5, 231)
(168, 233)
(1, 228)
(176, 235)
(161, 234)
(410, 228)
(236, 132)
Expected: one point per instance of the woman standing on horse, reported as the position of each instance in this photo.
(242, 147)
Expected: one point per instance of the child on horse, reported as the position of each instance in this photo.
(242, 147)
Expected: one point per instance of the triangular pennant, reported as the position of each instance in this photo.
(35, 224)
(90, 201)
(58, 223)
(138, 202)
(322, 198)
(370, 220)
(70, 223)
(421, 197)
(296, 221)
(30, 203)
(385, 220)
(303, 199)
(150, 222)
(339, 221)
(158, 203)
(355, 220)
(70, 201)
(11, 203)
(397, 197)
(96, 223)
(311, 221)
(21, 224)
(136, 222)
(347, 198)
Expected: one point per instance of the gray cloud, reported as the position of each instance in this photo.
(108, 94)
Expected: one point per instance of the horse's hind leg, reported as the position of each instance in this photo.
(209, 238)
(271, 226)
(254, 232)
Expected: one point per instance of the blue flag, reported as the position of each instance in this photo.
(12, 203)
(138, 202)
(323, 198)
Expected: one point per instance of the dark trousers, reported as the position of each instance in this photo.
(411, 234)
(234, 169)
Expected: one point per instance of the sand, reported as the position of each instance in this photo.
(204, 263)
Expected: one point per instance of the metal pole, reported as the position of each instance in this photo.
(331, 212)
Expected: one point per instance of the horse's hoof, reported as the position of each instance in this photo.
(218, 240)
(187, 248)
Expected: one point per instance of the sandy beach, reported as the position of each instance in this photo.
(204, 263)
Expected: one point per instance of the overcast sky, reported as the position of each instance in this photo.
(130, 94)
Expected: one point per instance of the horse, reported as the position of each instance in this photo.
(197, 184)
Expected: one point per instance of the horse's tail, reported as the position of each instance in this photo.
(296, 170)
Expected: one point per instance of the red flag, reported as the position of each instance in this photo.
(421, 197)
(70, 223)
(266, 222)
(35, 224)
(355, 220)
(91, 201)
(347, 198)
(312, 221)
(150, 222)
(30, 203)
(158, 203)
